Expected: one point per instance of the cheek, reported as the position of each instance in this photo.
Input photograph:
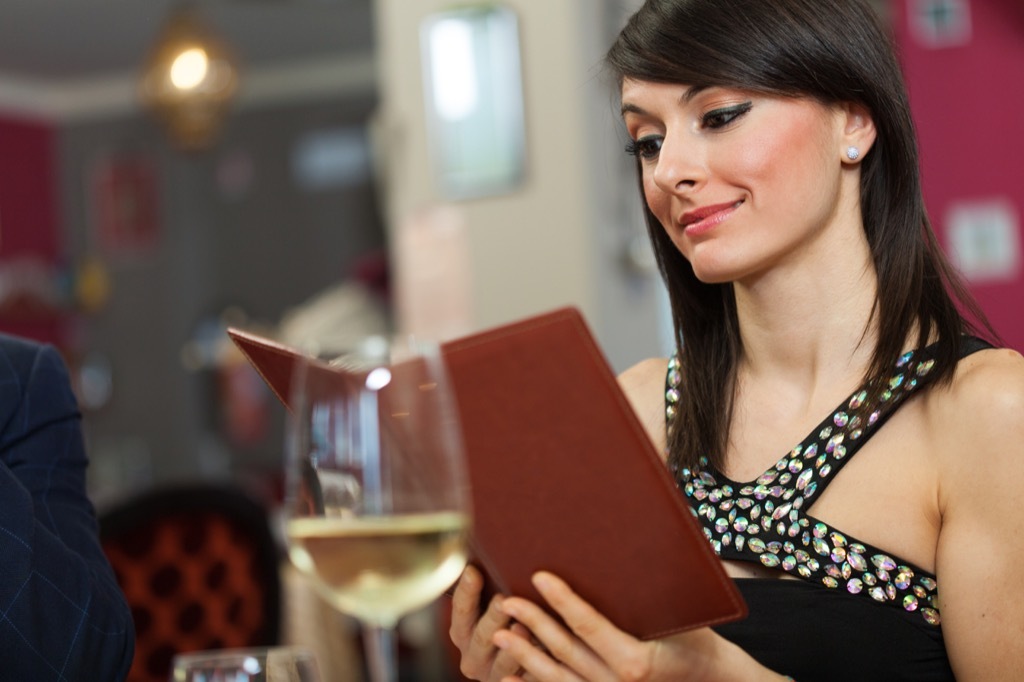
(768, 158)
(758, 160)
(792, 155)
(657, 200)
(660, 204)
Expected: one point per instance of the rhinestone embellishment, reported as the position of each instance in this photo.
(762, 521)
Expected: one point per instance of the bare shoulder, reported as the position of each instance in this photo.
(987, 388)
(644, 386)
(978, 420)
(644, 375)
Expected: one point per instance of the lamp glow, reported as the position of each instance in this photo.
(189, 80)
(378, 379)
(189, 68)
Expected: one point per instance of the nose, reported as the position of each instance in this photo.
(679, 168)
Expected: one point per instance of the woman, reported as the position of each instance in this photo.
(779, 166)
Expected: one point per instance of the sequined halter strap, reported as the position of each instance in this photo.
(764, 521)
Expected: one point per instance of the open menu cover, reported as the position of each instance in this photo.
(564, 477)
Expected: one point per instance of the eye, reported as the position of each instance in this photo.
(645, 148)
(719, 118)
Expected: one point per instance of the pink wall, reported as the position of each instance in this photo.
(28, 211)
(968, 104)
(29, 227)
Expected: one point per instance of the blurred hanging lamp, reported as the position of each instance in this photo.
(189, 79)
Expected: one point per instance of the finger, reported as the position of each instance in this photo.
(465, 606)
(562, 645)
(536, 664)
(479, 653)
(522, 631)
(505, 664)
(597, 632)
(524, 677)
(582, 618)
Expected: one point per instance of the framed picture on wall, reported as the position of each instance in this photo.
(124, 194)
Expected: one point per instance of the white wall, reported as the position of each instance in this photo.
(559, 239)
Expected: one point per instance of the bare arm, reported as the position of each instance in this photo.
(980, 429)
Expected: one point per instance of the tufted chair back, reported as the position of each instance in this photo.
(200, 569)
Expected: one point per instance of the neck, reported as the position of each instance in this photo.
(808, 326)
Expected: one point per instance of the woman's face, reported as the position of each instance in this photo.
(741, 182)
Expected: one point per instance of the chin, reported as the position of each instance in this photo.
(713, 263)
(715, 275)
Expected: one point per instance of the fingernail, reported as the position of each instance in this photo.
(542, 581)
(500, 639)
(509, 609)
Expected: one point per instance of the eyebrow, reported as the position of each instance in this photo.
(632, 109)
(687, 97)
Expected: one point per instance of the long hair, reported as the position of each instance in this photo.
(832, 52)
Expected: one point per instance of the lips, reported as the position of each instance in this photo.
(707, 216)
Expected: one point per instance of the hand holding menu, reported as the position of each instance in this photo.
(564, 478)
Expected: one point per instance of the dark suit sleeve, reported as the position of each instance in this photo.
(62, 615)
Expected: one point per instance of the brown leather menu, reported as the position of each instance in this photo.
(564, 477)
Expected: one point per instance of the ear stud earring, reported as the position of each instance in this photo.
(852, 153)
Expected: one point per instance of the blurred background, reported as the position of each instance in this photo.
(132, 233)
(337, 168)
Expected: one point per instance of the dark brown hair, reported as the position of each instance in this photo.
(832, 52)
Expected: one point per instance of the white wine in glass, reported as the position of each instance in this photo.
(377, 505)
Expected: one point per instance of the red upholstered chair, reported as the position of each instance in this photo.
(200, 569)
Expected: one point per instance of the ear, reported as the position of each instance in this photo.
(858, 131)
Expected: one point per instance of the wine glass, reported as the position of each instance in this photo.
(271, 664)
(376, 505)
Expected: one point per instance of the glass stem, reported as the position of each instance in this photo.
(381, 646)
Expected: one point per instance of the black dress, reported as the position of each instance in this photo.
(858, 612)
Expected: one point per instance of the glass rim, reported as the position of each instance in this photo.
(205, 655)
